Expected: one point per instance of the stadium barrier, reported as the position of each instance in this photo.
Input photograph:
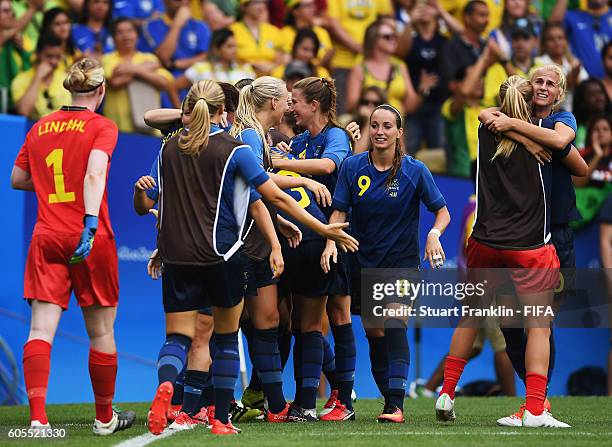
(139, 328)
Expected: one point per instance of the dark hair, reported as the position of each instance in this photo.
(471, 6)
(382, 95)
(397, 156)
(232, 94)
(597, 118)
(370, 36)
(304, 34)
(118, 21)
(48, 18)
(220, 36)
(107, 19)
(605, 49)
(243, 83)
(550, 26)
(47, 41)
(580, 106)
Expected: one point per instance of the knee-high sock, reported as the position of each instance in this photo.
(179, 386)
(36, 365)
(396, 340)
(268, 363)
(103, 373)
(453, 368)
(329, 364)
(535, 392)
(194, 386)
(172, 357)
(344, 344)
(379, 362)
(284, 344)
(312, 363)
(225, 369)
(207, 397)
(516, 347)
(297, 367)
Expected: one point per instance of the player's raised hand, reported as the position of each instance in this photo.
(354, 129)
(86, 241)
(335, 233)
(145, 183)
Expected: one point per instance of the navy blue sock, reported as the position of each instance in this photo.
(268, 363)
(396, 340)
(172, 357)
(329, 364)
(344, 344)
(208, 393)
(225, 369)
(379, 363)
(179, 384)
(194, 385)
(284, 344)
(312, 363)
(297, 367)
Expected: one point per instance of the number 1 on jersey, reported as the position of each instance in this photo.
(60, 196)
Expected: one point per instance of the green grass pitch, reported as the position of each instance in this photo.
(591, 420)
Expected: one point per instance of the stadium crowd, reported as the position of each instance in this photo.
(430, 67)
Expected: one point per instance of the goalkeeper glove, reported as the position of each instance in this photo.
(87, 238)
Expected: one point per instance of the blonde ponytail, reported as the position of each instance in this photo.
(516, 95)
(253, 99)
(204, 100)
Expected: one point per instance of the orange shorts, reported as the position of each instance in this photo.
(50, 278)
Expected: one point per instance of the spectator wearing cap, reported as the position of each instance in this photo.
(126, 65)
(39, 90)
(380, 68)
(222, 65)
(12, 54)
(138, 10)
(555, 50)
(524, 43)
(514, 10)
(587, 31)
(304, 54)
(303, 14)
(177, 39)
(464, 48)
(347, 25)
(259, 42)
(92, 35)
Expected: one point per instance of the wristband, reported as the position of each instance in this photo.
(435, 231)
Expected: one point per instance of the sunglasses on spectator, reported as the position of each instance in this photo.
(369, 102)
(388, 36)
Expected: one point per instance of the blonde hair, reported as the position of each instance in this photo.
(554, 68)
(516, 95)
(204, 99)
(253, 99)
(84, 77)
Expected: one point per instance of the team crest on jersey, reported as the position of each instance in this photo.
(146, 5)
(394, 188)
(192, 39)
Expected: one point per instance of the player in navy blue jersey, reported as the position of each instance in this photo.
(558, 129)
(319, 152)
(381, 190)
(204, 178)
(513, 183)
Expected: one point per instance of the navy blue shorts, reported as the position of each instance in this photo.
(258, 275)
(194, 287)
(340, 281)
(562, 237)
(303, 274)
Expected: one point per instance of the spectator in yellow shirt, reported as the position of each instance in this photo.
(259, 43)
(305, 49)
(222, 65)
(302, 14)
(347, 23)
(39, 90)
(124, 66)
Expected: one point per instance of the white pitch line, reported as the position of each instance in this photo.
(146, 439)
